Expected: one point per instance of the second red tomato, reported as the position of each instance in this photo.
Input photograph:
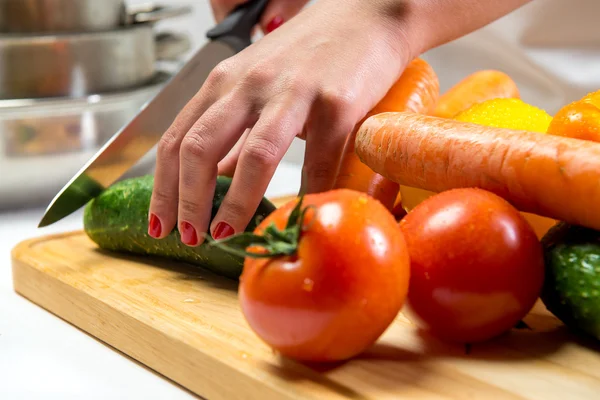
(476, 265)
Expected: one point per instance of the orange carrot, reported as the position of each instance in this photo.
(475, 88)
(552, 176)
(416, 90)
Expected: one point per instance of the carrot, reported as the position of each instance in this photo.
(416, 90)
(475, 88)
(552, 176)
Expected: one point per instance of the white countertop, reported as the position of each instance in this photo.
(43, 357)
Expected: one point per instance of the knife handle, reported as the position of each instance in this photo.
(236, 28)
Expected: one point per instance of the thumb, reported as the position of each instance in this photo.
(279, 12)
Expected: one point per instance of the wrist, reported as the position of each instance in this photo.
(415, 26)
(426, 24)
(400, 20)
(390, 23)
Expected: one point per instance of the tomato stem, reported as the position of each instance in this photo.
(274, 242)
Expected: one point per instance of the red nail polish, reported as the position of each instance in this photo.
(223, 230)
(154, 226)
(275, 23)
(188, 234)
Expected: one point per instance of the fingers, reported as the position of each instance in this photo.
(263, 150)
(332, 122)
(207, 142)
(322, 159)
(162, 214)
(279, 12)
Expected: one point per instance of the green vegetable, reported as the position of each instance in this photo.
(572, 285)
(117, 220)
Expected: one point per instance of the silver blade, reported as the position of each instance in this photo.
(138, 137)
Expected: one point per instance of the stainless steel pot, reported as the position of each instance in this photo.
(36, 16)
(79, 64)
(45, 142)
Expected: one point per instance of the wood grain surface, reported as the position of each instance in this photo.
(185, 324)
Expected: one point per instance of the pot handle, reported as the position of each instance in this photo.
(170, 46)
(149, 13)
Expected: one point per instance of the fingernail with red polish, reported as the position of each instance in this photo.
(275, 23)
(223, 230)
(154, 226)
(188, 234)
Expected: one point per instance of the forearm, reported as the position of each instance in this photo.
(424, 24)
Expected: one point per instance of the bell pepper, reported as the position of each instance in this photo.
(579, 119)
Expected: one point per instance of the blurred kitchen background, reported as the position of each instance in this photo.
(73, 72)
(71, 75)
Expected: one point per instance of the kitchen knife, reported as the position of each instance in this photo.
(138, 137)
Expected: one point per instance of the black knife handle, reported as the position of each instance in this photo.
(236, 29)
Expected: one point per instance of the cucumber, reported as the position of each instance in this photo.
(117, 220)
(572, 281)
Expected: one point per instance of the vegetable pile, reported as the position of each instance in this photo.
(493, 167)
(442, 207)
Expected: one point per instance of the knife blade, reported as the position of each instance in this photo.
(140, 135)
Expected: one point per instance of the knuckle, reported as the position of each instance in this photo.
(194, 145)
(219, 73)
(259, 75)
(189, 209)
(261, 151)
(234, 209)
(297, 89)
(338, 101)
(167, 146)
(162, 197)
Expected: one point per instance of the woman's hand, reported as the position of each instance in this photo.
(318, 73)
(276, 13)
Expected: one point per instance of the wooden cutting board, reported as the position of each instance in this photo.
(185, 324)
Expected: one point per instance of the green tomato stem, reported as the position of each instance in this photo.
(275, 242)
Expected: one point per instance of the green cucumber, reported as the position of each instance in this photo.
(572, 281)
(117, 220)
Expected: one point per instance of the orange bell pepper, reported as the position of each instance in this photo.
(579, 119)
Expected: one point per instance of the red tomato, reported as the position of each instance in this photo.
(343, 287)
(476, 265)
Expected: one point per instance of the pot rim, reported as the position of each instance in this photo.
(7, 39)
(123, 15)
(12, 105)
